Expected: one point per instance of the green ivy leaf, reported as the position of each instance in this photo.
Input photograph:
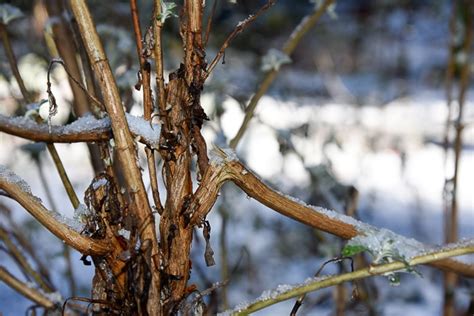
(167, 11)
(351, 250)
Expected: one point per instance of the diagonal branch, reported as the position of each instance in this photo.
(18, 190)
(238, 29)
(22, 261)
(225, 166)
(24, 289)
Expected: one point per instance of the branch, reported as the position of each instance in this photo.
(24, 289)
(85, 129)
(319, 283)
(20, 192)
(238, 29)
(305, 25)
(226, 166)
(147, 102)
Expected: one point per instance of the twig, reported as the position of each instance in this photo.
(209, 22)
(66, 252)
(147, 103)
(63, 175)
(25, 244)
(305, 25)
(24, 289)
(81, 243)
(76, 81)
(22, 261)
(238, 29)
(158, 53)
(52, 150)
(13, 62)
(451, 234)
(358, 274)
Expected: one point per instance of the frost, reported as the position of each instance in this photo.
(72, 223)
(124, 233)
(219, 156)
(386, 246)
(245, 21)
(145, 129)
(9, 176)
(148, 132)
(54, 297)
(81, 213)
(85, 123)
(97, 184)
(9, 13)
(274, 59)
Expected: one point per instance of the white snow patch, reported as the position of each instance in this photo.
(145, 129)
(9, 176)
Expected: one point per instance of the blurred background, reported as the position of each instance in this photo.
(358, 116)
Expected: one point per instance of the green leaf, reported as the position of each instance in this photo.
(167, 11)
(351, 250)
(274, 59)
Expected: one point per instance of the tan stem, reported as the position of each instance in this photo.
(13, 62)
(71, 237)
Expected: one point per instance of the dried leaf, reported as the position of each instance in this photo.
(209, 253)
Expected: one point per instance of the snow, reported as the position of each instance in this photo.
(9, 176)
(383, 242)
(97, 184)
(81, 213)
(148, 131)
(219, 156)
(85, 123)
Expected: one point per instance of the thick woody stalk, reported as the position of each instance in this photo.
(126, 152)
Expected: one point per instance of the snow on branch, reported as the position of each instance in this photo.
(66, 229)
(84, 129)
(226, 166)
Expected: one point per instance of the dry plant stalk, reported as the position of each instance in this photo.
(147, 273)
